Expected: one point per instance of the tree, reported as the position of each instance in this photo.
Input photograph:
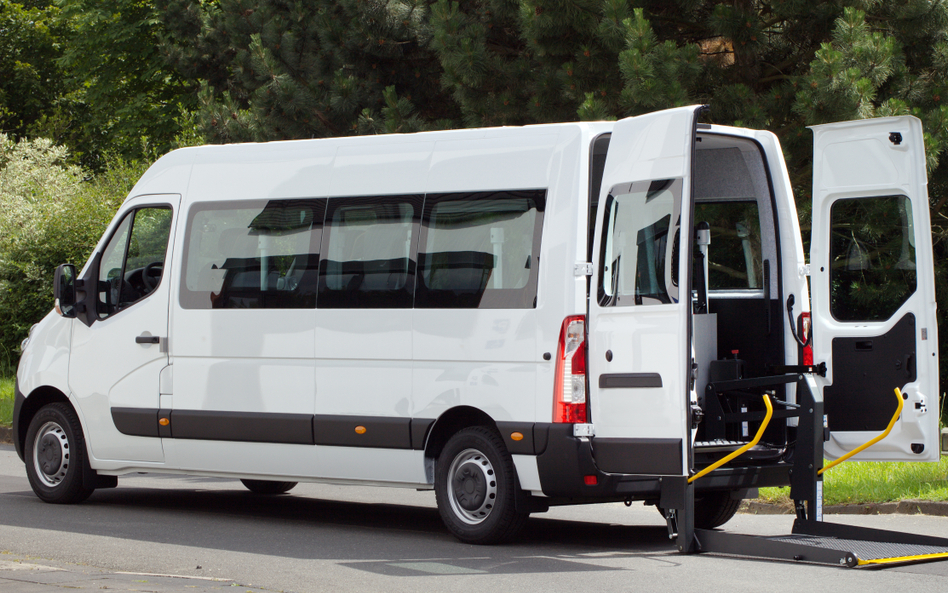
(127, 99)
(49, 214)
(30, 77)
(293, 69)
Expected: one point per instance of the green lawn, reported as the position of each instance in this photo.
(6, 400)
(866, 481)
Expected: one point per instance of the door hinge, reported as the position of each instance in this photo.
(805, 270)
(583, 269)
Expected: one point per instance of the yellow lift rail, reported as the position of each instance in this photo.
(742, 450)
(863, 447)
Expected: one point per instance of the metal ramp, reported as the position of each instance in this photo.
(827, 543)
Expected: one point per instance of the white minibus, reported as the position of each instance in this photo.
(511, 317)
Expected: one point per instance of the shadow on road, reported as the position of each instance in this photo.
(377, 537)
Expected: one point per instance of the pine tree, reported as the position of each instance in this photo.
(294, 69)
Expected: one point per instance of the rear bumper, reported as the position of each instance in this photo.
(570, 468)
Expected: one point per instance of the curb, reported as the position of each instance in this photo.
(6, 435)
(902, 507)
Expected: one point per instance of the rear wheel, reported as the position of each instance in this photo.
(476, 488)
(713, 509)
(56, 455)
(268, 486)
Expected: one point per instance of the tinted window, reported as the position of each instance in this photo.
(639, 255)
(872, 257)
(367, 253)
(252, 255)
(734, 257)
(479, 250)
(133, 260)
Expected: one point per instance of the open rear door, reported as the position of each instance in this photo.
(873, 288)
(640, 307)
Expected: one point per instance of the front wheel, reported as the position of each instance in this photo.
(56, 454)
(476, 488)
(268, 486)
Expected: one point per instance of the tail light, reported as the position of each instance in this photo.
(805, 329)
(569, 388)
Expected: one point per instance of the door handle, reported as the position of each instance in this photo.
(147, 339)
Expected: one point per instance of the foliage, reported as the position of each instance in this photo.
(131, 102)
(48, 215)
(293, 69)
(90, 75)
(6, 399)
(30, 77)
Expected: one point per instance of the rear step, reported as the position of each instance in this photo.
(826, 543)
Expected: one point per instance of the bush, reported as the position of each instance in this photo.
(49, 214)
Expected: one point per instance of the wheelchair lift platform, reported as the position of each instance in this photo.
(828, 543)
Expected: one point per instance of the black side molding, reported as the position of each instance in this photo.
(252, 427)
(630, 380)
(362, 431)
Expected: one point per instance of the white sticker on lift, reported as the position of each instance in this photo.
(819, 500)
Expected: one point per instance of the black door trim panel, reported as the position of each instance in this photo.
(629, 380)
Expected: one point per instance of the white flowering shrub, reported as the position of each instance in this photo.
(48, 215)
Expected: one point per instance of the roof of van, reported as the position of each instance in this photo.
(423, 162)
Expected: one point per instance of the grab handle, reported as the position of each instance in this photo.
(742, 450)
(863, 447)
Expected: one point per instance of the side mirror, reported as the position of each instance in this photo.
(64, 290)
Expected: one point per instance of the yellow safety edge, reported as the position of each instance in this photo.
(863, 447)
(742, 450)
(919, 558)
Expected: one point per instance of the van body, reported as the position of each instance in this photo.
(512, 317)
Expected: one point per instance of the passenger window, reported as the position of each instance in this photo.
(479, 250)
(872, 257)
(735, 260)
(639, 253)
(132, 262)
(252, 255)
(367, 255)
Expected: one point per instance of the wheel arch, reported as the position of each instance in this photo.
(452, 421)
(27, 409)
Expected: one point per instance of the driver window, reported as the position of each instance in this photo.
(133, 260)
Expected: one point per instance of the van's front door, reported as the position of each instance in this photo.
(116, 360)
(873, 288)
(640, 306)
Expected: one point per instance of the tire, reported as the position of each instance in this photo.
(476, 488)
(56, 456)
(715, 508)
(268, 487)
(712, 509)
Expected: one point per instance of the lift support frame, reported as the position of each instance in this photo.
(811, 539)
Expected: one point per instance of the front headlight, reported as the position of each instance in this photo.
(29, 335)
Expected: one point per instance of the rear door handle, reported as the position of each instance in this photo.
(147, 339)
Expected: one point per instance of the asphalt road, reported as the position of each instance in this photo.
(175, 533)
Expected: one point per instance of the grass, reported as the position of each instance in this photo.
(867, 481)
(6, 400)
